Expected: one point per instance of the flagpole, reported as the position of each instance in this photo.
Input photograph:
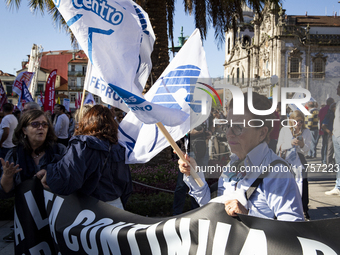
(82, 103)
(179, 153)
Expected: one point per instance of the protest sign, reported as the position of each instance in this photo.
(49, 92)
(46, 223)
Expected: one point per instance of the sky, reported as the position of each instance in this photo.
(20, 29)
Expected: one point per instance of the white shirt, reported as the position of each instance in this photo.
(277, 195)
(61, 126)
(11, 122)
(336, 124)
(285, 139)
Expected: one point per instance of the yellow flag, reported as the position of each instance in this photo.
(58, 100)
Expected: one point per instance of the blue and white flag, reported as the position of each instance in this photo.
(89, 99)
(24, 97)
(111, 33)
(177, 88)
(96, 84)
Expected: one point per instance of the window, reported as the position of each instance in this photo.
(96, 99)
(9, 90)
(72, 81)
(73, 68)
(73, 97)
(319, 66)
(294, 68)
(84, 70)
(294, 63)
(40, 87)
(228, 45)
(237, 75)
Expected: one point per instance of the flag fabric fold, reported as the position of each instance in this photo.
(178, 87)
(3, 96)
(49, 100)
(24, 97)
(89, 99)
(23, 76)
(112, 35)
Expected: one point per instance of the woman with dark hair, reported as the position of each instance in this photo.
(247, 184)
(36, 147)
(94, 162)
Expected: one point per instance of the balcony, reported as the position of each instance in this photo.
(76, 73)
(74, 87)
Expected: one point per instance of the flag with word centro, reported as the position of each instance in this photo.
(96, 84)
(182, 85)
(111, 33)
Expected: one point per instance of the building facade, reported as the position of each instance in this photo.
(303, 51)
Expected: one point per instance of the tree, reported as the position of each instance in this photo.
(220, 14)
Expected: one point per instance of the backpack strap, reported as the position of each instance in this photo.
(259, 179)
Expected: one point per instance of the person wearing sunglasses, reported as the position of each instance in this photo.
(35, 147)
(275, 194)
(297, 136)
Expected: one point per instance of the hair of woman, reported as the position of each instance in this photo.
(99, 122)
(25, 119)
(297, 114)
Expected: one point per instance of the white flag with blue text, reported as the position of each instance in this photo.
(111, 32)
(179, 88)
(96, 84)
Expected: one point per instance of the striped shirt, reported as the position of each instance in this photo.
(312, 121)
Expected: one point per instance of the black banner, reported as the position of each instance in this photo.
(49, 224)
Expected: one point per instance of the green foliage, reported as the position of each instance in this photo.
(151, 202)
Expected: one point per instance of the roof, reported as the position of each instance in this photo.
(63, 87)
(316, 21)
(5, 74)
(59, 60)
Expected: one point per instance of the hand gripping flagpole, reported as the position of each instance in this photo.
(179, 153)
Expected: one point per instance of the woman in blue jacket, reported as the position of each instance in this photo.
(94, 162)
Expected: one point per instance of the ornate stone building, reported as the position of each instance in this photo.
(301, 50)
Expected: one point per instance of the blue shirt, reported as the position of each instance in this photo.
(277, 196)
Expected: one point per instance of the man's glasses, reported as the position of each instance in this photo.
(235, 128)
(37, 124)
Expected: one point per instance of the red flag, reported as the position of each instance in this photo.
(76, 103)
(3, 96)
(49, 101)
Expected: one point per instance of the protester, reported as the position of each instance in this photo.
(336, 144)
(8, 124)
(327, 127)
(194, 143)
(35, 147)
(78, 115)
(276, 196)
(312, 123)
(299, 138)
(94, 162)
(61, 124)
(71, 124)
(325, 137)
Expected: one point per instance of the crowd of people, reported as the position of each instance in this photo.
(89, 160)
(80, 152)
(295, 143)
